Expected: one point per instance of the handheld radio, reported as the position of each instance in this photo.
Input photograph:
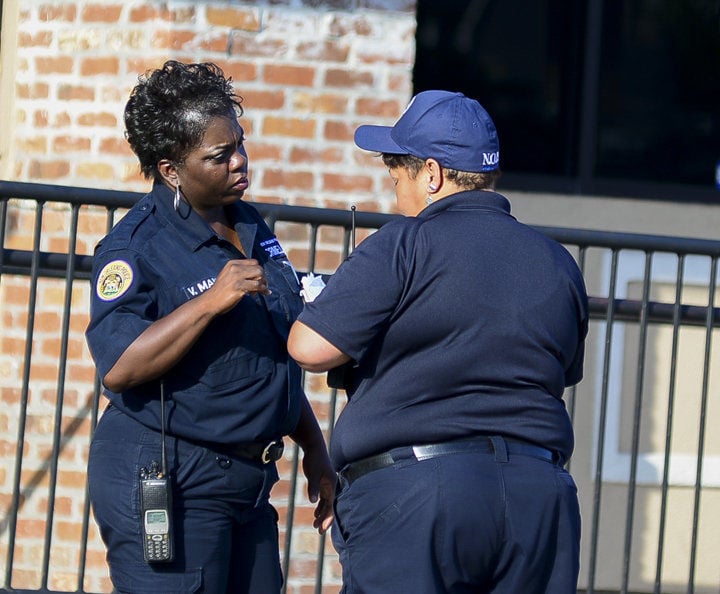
(156, 503)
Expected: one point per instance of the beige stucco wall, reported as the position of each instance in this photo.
(654, 217)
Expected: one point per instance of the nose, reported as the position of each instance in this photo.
(239, 159)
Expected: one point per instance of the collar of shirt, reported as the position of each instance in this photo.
(192, 228)
(470, 199)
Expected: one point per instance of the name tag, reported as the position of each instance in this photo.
(199, 287)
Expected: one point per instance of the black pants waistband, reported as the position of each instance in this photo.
(264, 452)
(484, 444)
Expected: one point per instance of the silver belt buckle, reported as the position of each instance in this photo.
(272, 451)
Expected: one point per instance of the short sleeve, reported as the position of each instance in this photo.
(122, 305)
(364, 292)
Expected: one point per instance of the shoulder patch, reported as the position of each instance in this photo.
(114, 279)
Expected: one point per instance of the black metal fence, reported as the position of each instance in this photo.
(647, 462)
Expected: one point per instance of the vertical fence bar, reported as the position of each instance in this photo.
(572, 392)
(85, 528)
(637, 416)
(702, 427)
(679, 279)
(296, 452)
(602, 421)
(25, 392)
(59, 402)
(348, 240)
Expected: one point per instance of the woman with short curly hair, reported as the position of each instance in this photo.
(193, 298)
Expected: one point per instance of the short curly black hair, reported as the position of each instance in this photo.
(170, 108)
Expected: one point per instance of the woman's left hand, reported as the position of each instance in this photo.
(321, 480)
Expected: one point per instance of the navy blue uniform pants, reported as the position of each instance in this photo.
(476, 522)
(226, 538)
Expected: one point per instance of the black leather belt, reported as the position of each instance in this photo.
(260, 451)
(355, 470)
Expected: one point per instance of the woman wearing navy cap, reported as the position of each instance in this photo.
(466, 327)
(193, 298)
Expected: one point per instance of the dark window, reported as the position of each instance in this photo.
(603, 97)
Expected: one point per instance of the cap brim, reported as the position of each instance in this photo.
(378, 139)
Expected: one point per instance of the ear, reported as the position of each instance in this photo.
(168, 171)
(434, 171)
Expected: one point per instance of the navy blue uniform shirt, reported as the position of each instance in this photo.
(462, 321)
(237, 383)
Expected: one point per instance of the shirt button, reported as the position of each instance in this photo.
(223, 462)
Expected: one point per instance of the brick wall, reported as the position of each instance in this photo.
(308, 76)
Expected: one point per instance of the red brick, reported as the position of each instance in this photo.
(104, 65)
(47, 321)
(61, 120)
(30, 528)
(335, 182)
(96, 171)
(324, 51)
(261, 151)
(289, 75)
(348, 78)
(48, 169)
(82, 372)
(36, 144)
(214, 41)
(51, 347)
(235, 18)
(39, 39)
(142, 65)
(273, 178)
(101, 13)
(72, 478)
(270, 99)
(401, 85)
(379, 108)
(173, 39)
(57, 11)
(98, 119)
(341, 26)
(71, 143)
(54, 64)
(238, 70)
(75, 92)
(36, 90)
(115, 146)
(324, 103)
(376, 55)
(295, 127)
(312, 155)
(15, 295)
(336, 130)
(161, 12)
(69, 531)
(248, 45)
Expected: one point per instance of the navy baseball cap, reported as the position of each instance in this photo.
(449, 127)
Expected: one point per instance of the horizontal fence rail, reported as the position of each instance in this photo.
(653, 323)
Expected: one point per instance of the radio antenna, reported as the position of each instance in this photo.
(352, 227)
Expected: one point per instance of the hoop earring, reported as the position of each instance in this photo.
(430, 188)
(176, 199)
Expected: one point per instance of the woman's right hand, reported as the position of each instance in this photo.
(168, 339)
(237, 279)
